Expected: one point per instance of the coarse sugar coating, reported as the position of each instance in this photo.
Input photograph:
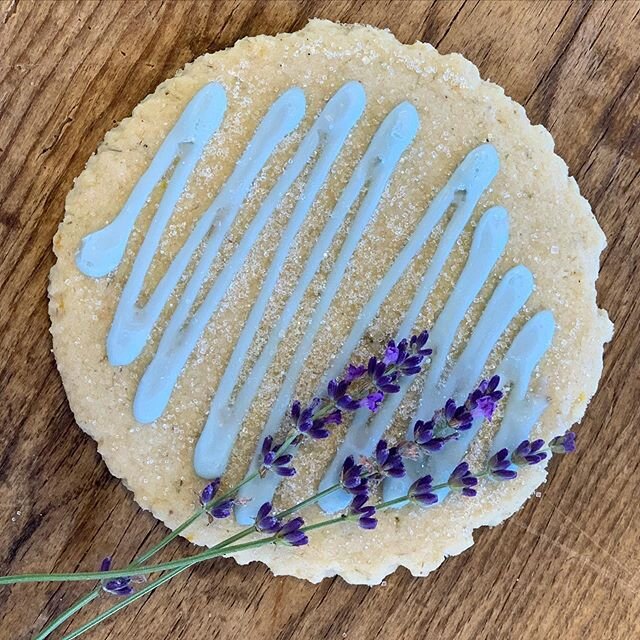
(552, 232)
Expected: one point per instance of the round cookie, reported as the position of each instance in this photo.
(551, 232)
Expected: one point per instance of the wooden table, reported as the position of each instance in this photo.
(567, 566)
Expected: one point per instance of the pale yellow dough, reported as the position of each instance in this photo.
(553, 233)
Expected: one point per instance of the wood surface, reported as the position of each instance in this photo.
(567, 566)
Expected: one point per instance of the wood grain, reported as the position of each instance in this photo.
(567, 566)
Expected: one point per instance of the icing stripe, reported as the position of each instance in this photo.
(101, 252)
(509, 296)
(523, 409)
(328, 134)
(181, 334)
(373, 172)
(463, 190)
(489, 241)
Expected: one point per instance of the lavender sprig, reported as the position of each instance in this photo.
(364, 513)
(422, 492)
(122, 586)
(447, 423)
(361, 387)
(365, 387)
(273, 460)
(218, 510)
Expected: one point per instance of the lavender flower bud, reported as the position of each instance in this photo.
(457, 417)
(424, 436)
(372, 401)
(354, 372)
(563, 444)
(222, 510)
(351, 477)
(272, 461)
(462, 480)
(528, 453)
(266, 522)
(391, 353)
(417, 344)
(209, 491)
(498, 466)
(389, 461)
(364, 513)
(118, 586)
(482, 402)
(290, 533)
(421, 491)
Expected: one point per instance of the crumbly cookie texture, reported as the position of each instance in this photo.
(552, 232)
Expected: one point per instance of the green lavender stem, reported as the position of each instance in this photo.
(217, 551)
(73, 609)
(92, 595)
(123, 603)
(157, 583)
(135, 569)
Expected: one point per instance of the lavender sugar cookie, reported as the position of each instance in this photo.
(283, 208)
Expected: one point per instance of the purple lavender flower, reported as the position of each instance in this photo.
(498, 466)
(418, 343)
(279, 464)
(528, 453)
(483, 401)
(389, 461)
(372, 401)
(209, 491)
(351, 477)
(457, 417)
(221, 510)
(266, 522)
(118, 586)
(563, 444)
(337, 391)
(462, 480)
(309, 425)
(383, 380)
(354, 372)
(410, 355)
(421, 491)
(424, 436)
(291, 534)
(391, 353)
(365, 513)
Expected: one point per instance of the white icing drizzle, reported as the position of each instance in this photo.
(372, 174)
(101, 252)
